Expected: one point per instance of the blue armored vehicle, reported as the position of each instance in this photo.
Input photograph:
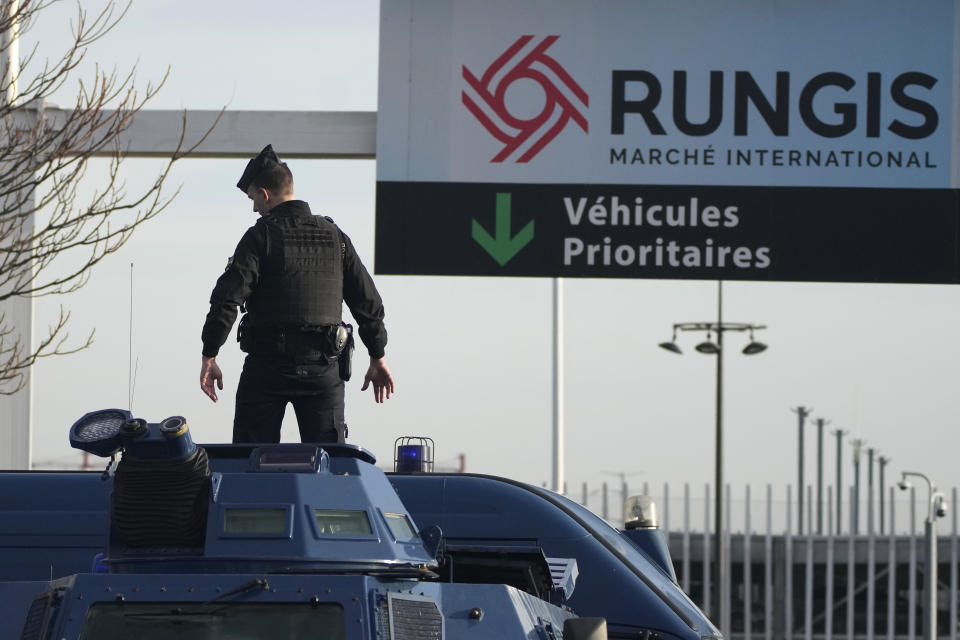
(298, 541)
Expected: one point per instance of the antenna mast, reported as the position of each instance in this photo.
(130, 370)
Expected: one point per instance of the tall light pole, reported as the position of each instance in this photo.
(839, 433)
(857, 451)
(753, 347)
(802, 413)
(820, 424)
(936, 508)
(558, 444)
(883, 460)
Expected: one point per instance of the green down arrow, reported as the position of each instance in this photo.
(501, 246)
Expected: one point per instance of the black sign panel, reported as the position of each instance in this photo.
(697, 232)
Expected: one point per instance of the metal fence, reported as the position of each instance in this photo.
(820, 583)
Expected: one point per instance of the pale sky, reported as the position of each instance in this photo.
(472, 356)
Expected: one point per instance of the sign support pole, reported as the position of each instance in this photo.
(558, 470)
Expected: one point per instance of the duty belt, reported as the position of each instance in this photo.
(299, 342)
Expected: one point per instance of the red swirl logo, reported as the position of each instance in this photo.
(486, 99)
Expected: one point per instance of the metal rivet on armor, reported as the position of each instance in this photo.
(315, 601)
(355, 598)
(120, 597)
(164, 589)
(107, 589)
(190, 589)
(476, 613)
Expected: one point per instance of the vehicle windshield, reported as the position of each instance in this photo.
(213, 621)
(603, 529)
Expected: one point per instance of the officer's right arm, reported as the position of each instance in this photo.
(210, 374)
(233, 288)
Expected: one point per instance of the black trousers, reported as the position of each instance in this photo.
(268, 383)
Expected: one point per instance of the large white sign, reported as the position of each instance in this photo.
(854, 93)
(584, 98)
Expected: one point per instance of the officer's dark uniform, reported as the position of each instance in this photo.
(292, 270)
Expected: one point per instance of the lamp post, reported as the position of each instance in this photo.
(882, 460)
(936, 508)
(857, 451)
(821, 423)
(839, 433)
(802, 413)
(753, 347)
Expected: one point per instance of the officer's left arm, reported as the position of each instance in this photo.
(363, 300)
(378, 374)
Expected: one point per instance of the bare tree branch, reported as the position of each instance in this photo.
(50, 236)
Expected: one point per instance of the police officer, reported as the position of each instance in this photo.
(292, 271)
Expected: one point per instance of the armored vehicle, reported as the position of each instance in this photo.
(297, 541)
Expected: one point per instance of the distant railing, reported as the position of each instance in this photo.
(819, 584)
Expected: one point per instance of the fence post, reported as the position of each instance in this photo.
(606, 503)
(768, 570)
(808, 573)
(892, 573)
(788, 573)
(912, 610)
(686, 537)
(666, 508)
(954, 569)
(828, 599)
(871, 560)
(727, 562)
(707, 560)
(851, 562)
(747, 571)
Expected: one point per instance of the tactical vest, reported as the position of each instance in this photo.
(301, 277)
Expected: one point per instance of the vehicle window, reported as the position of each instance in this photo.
(341, 522)
(213, 621)
(400, 526)
(255, 521)
(600, 528)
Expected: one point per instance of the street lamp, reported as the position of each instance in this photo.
(716, 348)
(936, 508)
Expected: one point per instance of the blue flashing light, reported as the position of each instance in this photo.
(413, 454)
(410, 458)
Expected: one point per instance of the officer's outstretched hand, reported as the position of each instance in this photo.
(379, 375)
(210, 373)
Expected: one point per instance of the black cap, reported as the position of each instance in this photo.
(256, 165)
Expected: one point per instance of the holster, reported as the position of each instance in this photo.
(243, 334)
(345, 356)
